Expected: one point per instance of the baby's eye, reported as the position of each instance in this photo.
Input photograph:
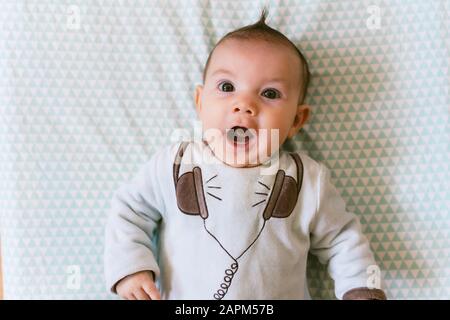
(226, 86)
(271, 93)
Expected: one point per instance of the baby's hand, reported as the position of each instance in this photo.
(138, 286)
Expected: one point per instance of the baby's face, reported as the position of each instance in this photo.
(252, 84)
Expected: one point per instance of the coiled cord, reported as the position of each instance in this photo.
(229, 275)
(230, 272)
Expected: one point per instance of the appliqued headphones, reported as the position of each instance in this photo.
(191, 197)
(191, 201)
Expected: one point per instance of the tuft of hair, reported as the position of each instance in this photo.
(261, 31)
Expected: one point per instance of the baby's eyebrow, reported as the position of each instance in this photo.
(277, 79)
(280, 80)
(273, 80)
(222, 71)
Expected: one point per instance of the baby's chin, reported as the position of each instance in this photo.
(236, 164)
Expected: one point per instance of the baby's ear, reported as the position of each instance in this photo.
(301, 116)
(198, 97)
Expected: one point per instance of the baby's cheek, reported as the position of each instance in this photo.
(212, 135)
(211, 120)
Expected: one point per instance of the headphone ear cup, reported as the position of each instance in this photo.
(287, 199)
(186, 195)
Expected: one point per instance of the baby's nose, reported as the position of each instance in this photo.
(247, 106)
(246, 109)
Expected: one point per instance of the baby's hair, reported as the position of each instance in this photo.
(260, 30)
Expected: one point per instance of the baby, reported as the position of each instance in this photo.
(208, 219)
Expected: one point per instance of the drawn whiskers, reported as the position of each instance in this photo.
(264, 185)
(259, 203)
(213, 187)
(261, 193)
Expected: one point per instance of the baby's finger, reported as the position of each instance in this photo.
(140, 294)
(152, 291)
(131, 296)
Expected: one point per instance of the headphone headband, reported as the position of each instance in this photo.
(177, 162)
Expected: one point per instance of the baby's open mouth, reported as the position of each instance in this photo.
(239, 135)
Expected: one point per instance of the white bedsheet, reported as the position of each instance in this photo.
(89, 90)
